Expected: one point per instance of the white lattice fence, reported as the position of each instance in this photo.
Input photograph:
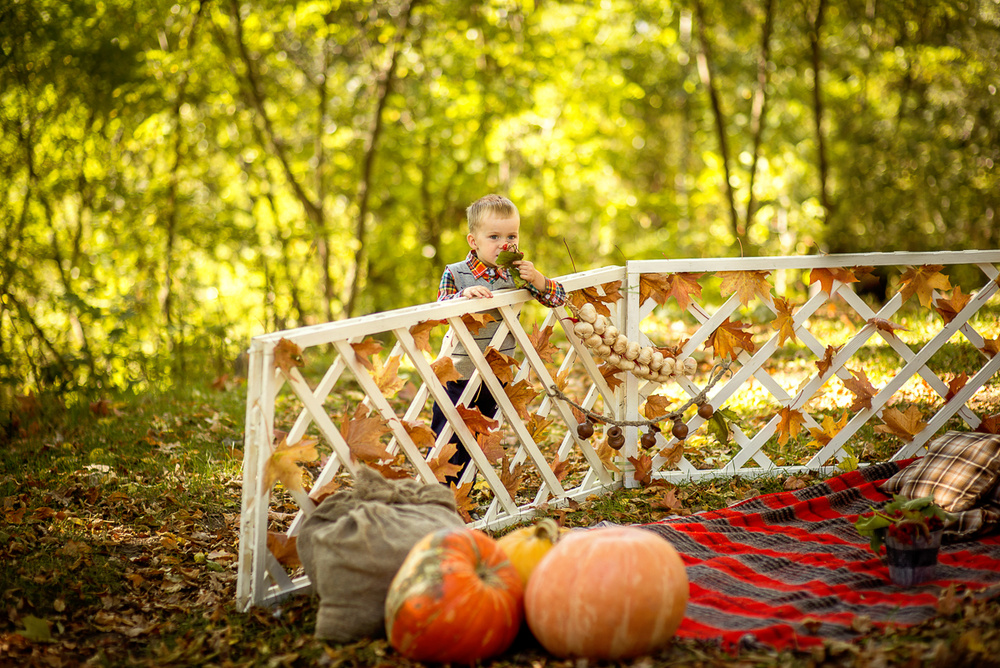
(533, 455)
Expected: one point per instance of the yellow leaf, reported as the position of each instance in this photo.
(829, 429)
(283, 464)
(385, 376)
(949, 308)
(827, 275)
(784, 321)
(788, 426)
(521, 394)
(746, 284)
(904, 425)
(923, 281)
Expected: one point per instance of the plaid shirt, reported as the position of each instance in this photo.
(553, 295)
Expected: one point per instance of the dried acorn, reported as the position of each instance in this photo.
(585, 429)
(679, 430)
(616, 439)
(706, 411)
(648, 439)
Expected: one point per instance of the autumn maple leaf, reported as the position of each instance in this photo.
(559, 468)
(284, 548)
(956, 384)
(476, 321)
(521, 394)
(886, 326)
(825, 276)
(365, 350)
(421, 333)
(661, 287)
(501, 365)
(610, 375)
(385, 377)
(422, 436)
(363, 435)
(491, 443)
(789, 424)
(828, 429)
(609, 293)
(861, 388)
(784, 320)
(441, 467)
(511, 476)
(463, 500)
(824, 364)
(607, 456)
(537, 426)
(444, 369)
(476, 421)
(283, 464)
(923, 281)
(904, 425)
(746, 284)
(540, 342)
(643, 469)
(949, 308)
(656, 407)
(287, 355)
(729, 338)
(990, 424)
(991, 347)
(672, 454)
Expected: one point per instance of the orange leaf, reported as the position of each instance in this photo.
(607, 455)
(365, 350)
(444, 369)
(440, 465)
(562, 379)
(317, 494)
(824, 364)
(828, 430)
(476, 421)
(476, 321)
(540, 342)
(827, 275)
(991, 347)
(391, 471)
(284, 549)
(362, 435)
(657, 406)
(863, 390)
(510, 477)
(746, 284)
(886, 326)
(784, 321)
(990, 424)
(283, 463)
(949, 308)
(463, 500)
(904, 425)
(491, 444)
(421, 333)
(608, 294)
(643, 469)
(537, 426)
(729, 338)
(287, 355)
(610, 375)
(788, 426)
(681, 287)
(521, 394)
(956, 384)
(559, 468)
(672, 454)
(923, 281)
(385, 376)
(501, 365)
(422, 436)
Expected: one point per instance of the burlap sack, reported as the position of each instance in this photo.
(356, 540)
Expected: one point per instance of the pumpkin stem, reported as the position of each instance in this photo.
(547, 529)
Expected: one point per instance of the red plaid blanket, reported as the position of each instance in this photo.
(788, 570)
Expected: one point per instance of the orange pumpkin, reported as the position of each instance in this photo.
(609, 593)
(455, 599)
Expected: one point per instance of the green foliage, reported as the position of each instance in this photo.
(900, 510)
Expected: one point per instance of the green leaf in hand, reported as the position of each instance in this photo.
(506, 259)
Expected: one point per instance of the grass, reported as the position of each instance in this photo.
(120, 533)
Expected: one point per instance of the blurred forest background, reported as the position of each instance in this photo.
(177, 176)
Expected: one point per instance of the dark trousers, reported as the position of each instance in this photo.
(486, 404)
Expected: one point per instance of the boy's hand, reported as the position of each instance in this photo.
(477, 292)
(530, 274)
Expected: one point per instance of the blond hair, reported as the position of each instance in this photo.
(489, 206)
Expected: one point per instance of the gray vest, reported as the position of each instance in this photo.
(463, 279)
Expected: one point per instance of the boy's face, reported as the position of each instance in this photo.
(489, 239)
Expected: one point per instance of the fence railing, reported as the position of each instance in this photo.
(326, 399)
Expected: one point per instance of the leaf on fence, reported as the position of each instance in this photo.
(643, 469)
(904, 425)
(608, 294)
(607, 456)
(680, 286)
(540, 342)
(422, 436)
(521, 394)
(444, 369)
(789, 424)
(827, 431)
(362, 435)
(656, 407)
(886, 326)
(862, 389)
(283, 464)
(611, 291)
(365, 350)
(476, 321)
(463, 500)
(317, 494)
(559, 468)
(392, 471)
(284, 549)
(287, 355)
(610, 375)
(730, 337)
(720, 425)
(784, 321)
(824, 364)
(501, 365)
(385, 377)
(511, 476)
(421, 333)
(825, 276)
(746, 285)
(440, 465)
(990, 347)
(922, 281)
(562, 379)
(990, 424)
(949, 308)
(476, 421)
(492, 445)
(672, 454)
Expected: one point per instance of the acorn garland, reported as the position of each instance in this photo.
(610, 345)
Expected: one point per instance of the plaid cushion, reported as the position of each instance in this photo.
(958, 470)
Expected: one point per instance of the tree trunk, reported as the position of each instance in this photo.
(759, 109)
(817, 61)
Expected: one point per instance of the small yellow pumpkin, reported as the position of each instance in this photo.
(525, 547)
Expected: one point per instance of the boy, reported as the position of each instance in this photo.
(493, 223)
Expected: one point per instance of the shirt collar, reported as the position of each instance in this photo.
(480, 270)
